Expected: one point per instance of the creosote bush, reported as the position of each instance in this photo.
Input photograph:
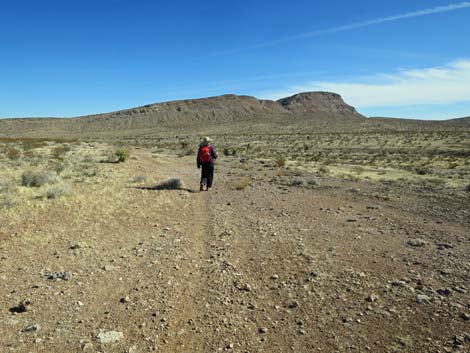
(57, 191)
(35, 178)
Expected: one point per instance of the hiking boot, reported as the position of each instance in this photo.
(201, 188)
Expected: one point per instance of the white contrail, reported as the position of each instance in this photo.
(419, 13)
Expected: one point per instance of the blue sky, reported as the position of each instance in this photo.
(401, 58)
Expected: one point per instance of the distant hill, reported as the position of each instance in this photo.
(308, 112)
(239, 112)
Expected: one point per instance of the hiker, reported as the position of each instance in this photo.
(205, 158)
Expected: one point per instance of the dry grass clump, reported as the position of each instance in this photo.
(305, 182)
(242, 183)
(280, 162)
(57, 191)
(170, 184)
(13, 153)
(38, 178)
(122, 154)
(59, 152)
(7, 187)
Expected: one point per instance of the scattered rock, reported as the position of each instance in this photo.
(263, 330)
(416, 242)
(55, 276)
(293, 304)
(105, 337)
(465, 316)
(32, 328)
(422, 298)
(87, 347)
(247, 288)
(444, 292)
(125, 300)
(372, 298)
(22, 307)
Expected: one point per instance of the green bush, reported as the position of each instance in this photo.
(122, 154)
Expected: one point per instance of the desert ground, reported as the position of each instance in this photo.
(340, 242)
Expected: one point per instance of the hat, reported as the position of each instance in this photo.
(205, 141)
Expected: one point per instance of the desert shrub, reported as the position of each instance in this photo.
(298, 182)
(57, 167)
(241, 184)
(184, 144)
(323, 169)
(35, 178)
(122, 154)
(312, 182)
(13, 153)
(227, 152)
(280, 162)
(57, 191)
(467, 188)
(59, 151)
(170, 184)
(7, 186)
(422, 170)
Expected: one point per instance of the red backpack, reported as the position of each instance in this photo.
(205, 154)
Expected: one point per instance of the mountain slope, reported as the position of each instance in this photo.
(226, 110)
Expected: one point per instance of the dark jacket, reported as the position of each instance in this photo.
(213, 155)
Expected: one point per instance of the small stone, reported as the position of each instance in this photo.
(293, 304)
(32, 328)
(125, 300)
(372, 298)
(422, 298)
(105, 337)
(275, 276)
(444, 292)
(87, 347)
(263, 330)
(247, 287)
(24, 306)
(465, 316)
(416, 242)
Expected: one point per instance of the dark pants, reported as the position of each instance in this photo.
(207, 173)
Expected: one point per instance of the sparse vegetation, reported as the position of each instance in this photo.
(57, 191)
(13, 153)
(242, 183)
(38, 178)
(122, 154)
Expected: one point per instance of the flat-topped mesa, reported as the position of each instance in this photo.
(309, 102)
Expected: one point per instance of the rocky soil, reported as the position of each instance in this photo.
(255, 267)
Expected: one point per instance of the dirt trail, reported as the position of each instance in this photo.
(266, 269)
